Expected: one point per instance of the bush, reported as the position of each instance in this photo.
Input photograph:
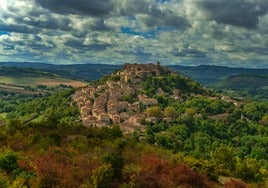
(102, 177)
(249, 170)
(8, 161)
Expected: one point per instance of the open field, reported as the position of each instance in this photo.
(52, 83)
(30, 81)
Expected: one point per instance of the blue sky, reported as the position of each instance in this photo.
(183, 32)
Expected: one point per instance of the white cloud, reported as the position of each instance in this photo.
(125, 31)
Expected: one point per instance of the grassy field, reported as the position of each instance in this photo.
(33, 82)
(36, 85)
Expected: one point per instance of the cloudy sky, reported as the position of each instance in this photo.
(184, 32)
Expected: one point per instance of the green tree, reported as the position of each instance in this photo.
(8, 161)
(190, 111)
(224, 157)
(249, 170)
(264, 120)
(102, 177)
(154, 111)
(116, 159)
(170, 112)
(150, 137)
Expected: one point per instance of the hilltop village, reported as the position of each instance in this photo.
(110, 101)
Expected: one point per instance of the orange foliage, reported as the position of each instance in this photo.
(56, 169)
(156, 172)
(235, 184)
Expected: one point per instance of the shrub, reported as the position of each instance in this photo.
(8, 161)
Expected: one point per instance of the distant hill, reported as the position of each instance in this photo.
(87, 72)
(244, 82)
(204, 74)
(249, 86)
(32, 80)
(207, 74)
(24, 72)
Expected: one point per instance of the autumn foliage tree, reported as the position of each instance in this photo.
(156, 172)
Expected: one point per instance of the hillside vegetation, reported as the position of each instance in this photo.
(179, 134)
(248, 86)
(245, 82)
(206, 74)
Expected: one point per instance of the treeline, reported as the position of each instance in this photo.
(24, 72)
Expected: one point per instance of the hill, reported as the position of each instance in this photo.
(248, 86)
(244, 82)
(207, 74)
(124, 96)
(87, 72)
(143, 126)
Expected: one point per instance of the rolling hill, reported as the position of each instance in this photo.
(248, 86)
(32, 81)
(244, 82)
(204, 74)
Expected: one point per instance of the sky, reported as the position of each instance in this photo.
(181, 32)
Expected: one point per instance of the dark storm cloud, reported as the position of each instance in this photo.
(20, 43)
(81, 7)
(257, 50)
(49, 23)
(74, 43)
(104, 8)
(41, 47)
(132, 7)
(99, 25)
(32, 21)
(189, 53)
(172, 21)
(79, 44)
(98, 47)
(235, 12)
(138, 51)
(156, 16)
(18, 28)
